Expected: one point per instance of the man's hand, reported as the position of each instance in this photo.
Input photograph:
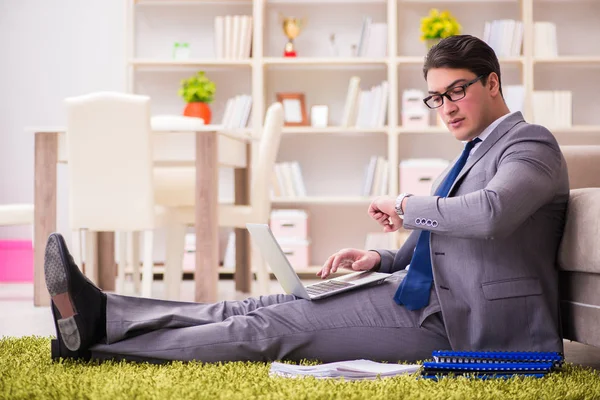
(355, 259)
(383, 210)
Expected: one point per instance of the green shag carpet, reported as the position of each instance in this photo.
(27, 372)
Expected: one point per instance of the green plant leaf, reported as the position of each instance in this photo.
(197, 88)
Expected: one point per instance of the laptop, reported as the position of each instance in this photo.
(290, 281)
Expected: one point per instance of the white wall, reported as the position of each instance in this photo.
(50, 50)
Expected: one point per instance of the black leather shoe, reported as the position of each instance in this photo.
(78, 306)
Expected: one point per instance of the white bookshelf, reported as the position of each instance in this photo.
(333, 158)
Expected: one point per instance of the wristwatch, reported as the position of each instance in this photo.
(398, 205)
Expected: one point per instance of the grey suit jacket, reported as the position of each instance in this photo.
(494, 242)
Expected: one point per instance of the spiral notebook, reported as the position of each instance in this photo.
(491, 364)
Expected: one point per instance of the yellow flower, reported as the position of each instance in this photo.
(439, 25)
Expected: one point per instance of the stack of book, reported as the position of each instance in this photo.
(287, 180)
(365, 108)
(544, 39)
(553, 108)
(237, 111)
(505, 36)
(233, 36)
(373, 39)
(490, 364)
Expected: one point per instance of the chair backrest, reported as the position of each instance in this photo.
(260, 193)
(579, 250)
(110, 162)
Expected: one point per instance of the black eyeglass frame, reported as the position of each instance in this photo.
(464, 87)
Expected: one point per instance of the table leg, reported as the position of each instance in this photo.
(107, 270)
(45, 159)
(243, 267)
(206, 276)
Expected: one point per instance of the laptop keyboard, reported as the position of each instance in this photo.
(327, 286)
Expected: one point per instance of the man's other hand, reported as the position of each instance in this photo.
(383, 210)
(354, 259)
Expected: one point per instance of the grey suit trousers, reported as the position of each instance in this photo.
(362, 323)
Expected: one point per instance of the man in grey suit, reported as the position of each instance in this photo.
(482, 259)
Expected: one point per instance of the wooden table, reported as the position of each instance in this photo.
(207, 148)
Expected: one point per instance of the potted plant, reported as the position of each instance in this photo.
(438, 25)
(198, 92)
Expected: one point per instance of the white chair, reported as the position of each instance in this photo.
(233, 216)
(16, 214)
(115, 196)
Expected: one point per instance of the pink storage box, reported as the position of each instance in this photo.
(296, 251)
(417, 175)
(16, 261)
(289, 224)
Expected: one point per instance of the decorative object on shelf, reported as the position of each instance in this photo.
(414, 112)
(198, 91)
(333, 50)
(292, 27)
(181, 51)
(294, 109)
(437, 26)
(319, 116)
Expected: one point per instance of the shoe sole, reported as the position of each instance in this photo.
(57, 282)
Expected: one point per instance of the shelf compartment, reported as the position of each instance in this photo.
(576, 60)
(592, 129)
(432, 130)
(332, 130)
(198, 62)
(348, 200)
(325, 62)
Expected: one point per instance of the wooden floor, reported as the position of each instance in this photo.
(18, 316)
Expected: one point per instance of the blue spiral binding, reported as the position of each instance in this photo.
(497, 356)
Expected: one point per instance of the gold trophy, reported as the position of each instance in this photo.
(291, 27)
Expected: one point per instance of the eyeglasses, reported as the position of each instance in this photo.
(453, 94)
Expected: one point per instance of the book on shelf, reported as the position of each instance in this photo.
(514, 96)
(365, 108)
(505, 36)
(544, 39)
(376, 177)
(237, 111)
(287, 180)
(233, 36)
(553, 108)
(372, 42)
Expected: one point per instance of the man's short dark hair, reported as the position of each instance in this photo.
(463, 52)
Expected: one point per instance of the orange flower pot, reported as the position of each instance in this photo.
(199, 110)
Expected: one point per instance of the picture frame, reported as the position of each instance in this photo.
(294, 109)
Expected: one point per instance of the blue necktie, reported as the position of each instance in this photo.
(413, 292)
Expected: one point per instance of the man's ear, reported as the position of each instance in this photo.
(493, 84)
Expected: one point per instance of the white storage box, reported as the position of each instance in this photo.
(417, 175)
(289, 224)
(415, 118)
(296, 251)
